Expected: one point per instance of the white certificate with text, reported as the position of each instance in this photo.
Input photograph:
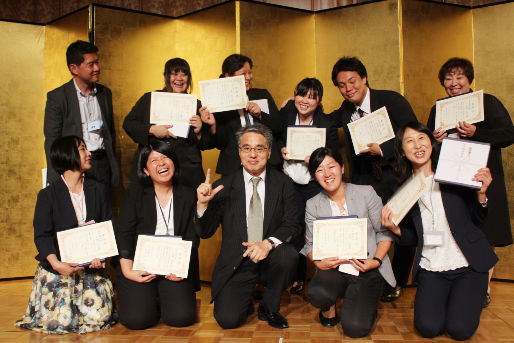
(172, 108)
(459, 161)
(303, 140)
(467, 107)
(373, 128)
(85, 243)
(405, 197)
(224, 94)
(162, 255)
(340, 237)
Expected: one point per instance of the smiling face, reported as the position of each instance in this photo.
(456, 82)
(178, 81)
(329, 175)
(417, 148)
(254, 161)
(85, 157)
(306, 104)
(352, 86)
(159, 168)
(246, 71)
(88, 71)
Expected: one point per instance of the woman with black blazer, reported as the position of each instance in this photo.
(66, 298)
(453, 256)
(156, 205)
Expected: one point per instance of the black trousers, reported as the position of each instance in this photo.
(142, 304)
(450, 301)
(275, 272)
(361, 296)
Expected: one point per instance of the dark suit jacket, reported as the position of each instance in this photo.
(496, 129)
(227, 123)
(54, 212)
(228, 207)
(464, 214)
(361, 166)
(139, 217)
(137, 126)
(62, 118)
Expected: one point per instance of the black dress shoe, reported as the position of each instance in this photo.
(274, 319)
(391, 294)
(327, 322)
(298, 289)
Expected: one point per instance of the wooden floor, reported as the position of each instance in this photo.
(395, 322)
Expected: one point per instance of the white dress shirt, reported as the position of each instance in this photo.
(89, 113)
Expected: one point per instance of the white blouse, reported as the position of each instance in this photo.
(164, 218)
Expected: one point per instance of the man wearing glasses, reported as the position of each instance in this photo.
(255, 206)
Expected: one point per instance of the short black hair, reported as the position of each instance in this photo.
(349, 64)
(457, 63)
(259, 128)
(174, 66)
(233, 63)
(159, 146)
(310, 84)
(76, 51)
(319, 155)
(64, 153)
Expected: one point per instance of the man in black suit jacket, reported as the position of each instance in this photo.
(242, 261)
(83, 108)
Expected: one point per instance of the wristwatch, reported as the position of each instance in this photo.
(484, 204)
(271, 242)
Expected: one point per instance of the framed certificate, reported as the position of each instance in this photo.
(406, 196)
(85, 243)
(224, 94)
(459, 161)
(172, 108)
(374, 128)
(467, 107)
(303, 140)
(340, 237)
(162, 255)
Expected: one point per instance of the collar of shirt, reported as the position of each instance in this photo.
(365, 106)
(79, 92)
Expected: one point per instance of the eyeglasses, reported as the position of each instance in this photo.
(258, 149)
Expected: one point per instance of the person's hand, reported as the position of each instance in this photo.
(373, 149)
(386, 218)
(254, 110)
(284, 153)
(439, 134)
(161, 131)
(328, 263)
(205, 193)
(196, 122)
(97, 264)
(173, 277)
(307, 159)
(64, 268)
(139, 276)
(365, 265)
(286, 101)
(206, 116)
(483, 175)
(257, 251)
(465, 129)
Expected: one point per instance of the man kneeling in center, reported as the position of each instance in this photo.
(255, 206)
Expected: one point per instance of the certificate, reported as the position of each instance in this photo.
(340, 237)
(405, 197)
(224, 94)
(467, 107)
(303, 140)
(162, 255)
(459, 161)
(172, 108)
(85, 243)
(262, 103)
(374, 128)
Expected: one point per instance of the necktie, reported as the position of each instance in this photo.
(361, 112)
(255, 216)
(247, 118)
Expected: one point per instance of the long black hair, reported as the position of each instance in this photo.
(159, 146)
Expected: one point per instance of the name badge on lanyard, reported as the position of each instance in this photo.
(433, 239)
(94, 126)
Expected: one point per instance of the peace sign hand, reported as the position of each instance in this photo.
(205, 193)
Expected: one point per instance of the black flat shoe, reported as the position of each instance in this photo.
(274, 319)
(327, 322)
(391, 294)
(298, 289)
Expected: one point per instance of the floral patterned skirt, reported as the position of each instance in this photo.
(81, 302)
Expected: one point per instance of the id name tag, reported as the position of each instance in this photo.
(94, 126)
(433, 239)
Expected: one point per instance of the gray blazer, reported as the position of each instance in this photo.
(362, 201)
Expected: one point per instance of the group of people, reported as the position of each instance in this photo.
(266, 204)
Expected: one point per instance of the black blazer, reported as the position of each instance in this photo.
(227, 123)
(464, 214)
(137, 125)
(54, 212)
(139, 217)
(62, 118)
(228, 207)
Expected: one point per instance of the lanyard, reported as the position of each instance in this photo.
(166, 223)
(79, 210)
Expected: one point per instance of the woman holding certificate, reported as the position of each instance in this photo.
(177, 79)
(453, 256)
(359, 281)
(156, 205)
(65, 297)
(456, 76)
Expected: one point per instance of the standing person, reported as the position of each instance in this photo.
(456, 76)
(227, 123)
(373, 166)
(83, 107)
(255, 206)
(304, 110)
(452, 275)
(66, 298)
(177, 79)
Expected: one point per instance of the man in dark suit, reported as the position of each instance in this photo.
(373, 166)
(83, 108)
(256, 207)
